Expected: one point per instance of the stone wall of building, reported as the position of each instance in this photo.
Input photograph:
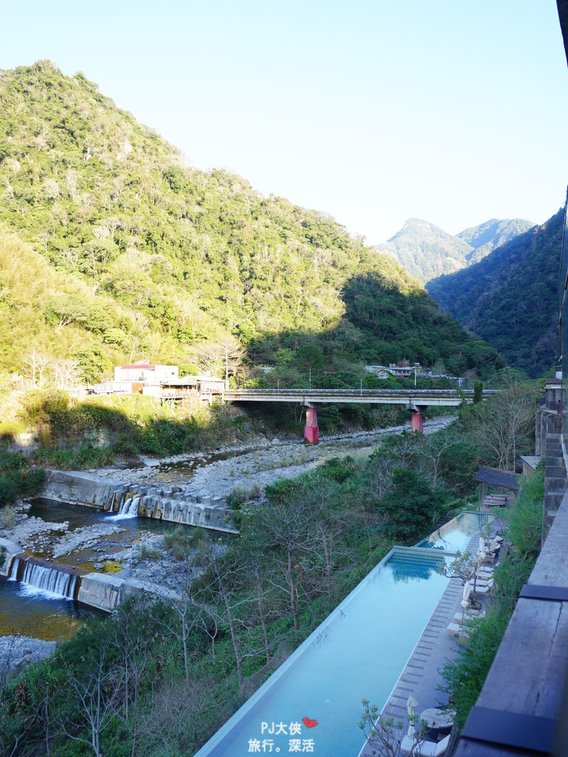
(549, 428)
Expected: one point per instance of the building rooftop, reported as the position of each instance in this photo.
(140, 364)
(497, 477)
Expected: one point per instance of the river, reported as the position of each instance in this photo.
(92, 540)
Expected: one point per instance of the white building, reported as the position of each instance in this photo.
(144, 372)
(161, 382)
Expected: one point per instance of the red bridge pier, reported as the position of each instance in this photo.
(416, 421)
(311, 430)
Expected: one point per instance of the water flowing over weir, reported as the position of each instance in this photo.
(124, 504)
(58, 580)
(170, 505)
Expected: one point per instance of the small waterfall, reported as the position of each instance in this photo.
(39, 577)
(128, 507)
(13, 574)
(109, 505)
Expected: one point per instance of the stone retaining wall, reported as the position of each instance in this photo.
(78, 488)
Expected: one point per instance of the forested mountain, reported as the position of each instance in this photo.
(123, 251)
(426, 251)
(494, 233)
(510, 298)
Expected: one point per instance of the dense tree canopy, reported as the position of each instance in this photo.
(510, 298)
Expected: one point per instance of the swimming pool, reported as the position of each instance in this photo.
(357, 653)
(312, 703)
(455, 535)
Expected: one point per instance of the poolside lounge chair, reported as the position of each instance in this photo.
(484, 588)
(483, 576)
(422, 747)
(469, 614)
(481, 584)
(458, 630)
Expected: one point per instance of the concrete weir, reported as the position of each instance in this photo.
(100, 590)
(105, 592)
(8, 550)
(133, 500)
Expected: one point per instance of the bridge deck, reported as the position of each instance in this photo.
(408, 397)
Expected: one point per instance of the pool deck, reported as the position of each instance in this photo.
(421, 677)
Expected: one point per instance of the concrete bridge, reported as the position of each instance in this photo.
(414, 400)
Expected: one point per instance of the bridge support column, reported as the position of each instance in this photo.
(311, 430)
(416, 422)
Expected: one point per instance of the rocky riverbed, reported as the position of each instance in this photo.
(109, 544)
(245, 468)
(16, 652)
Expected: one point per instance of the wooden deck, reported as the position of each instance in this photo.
(522, 707)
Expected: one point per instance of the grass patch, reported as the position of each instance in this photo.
(184, 540)
(112, 566)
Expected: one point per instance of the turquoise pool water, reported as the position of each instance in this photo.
(357, 653)
(455, 535)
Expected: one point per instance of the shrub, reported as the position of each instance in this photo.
(75, 458)
(240, 496)
(465, 676)
(148, 553)
(183, 540)
(7, 517)
(524, 519)
(16, 478)
(339, 469)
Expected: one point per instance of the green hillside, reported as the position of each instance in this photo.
(131, 253)
(510, 298)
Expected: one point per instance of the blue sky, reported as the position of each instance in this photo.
(370, 110)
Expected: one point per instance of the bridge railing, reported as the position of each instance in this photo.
(365, 392)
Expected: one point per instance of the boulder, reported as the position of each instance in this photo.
(16, 652)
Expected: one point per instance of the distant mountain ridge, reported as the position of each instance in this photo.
(510, 298)
(492, 234)
(427, 251)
